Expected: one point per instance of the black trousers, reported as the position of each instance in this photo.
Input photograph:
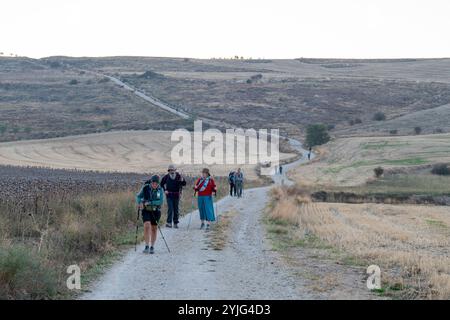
(173, 213)
(232, 189)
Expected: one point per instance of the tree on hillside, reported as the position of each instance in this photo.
(317, 134)
(379, 116)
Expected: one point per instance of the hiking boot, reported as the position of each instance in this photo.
(202, 226)
(152, 250)
(175, 225)
(146, 250)
(168, 225)
(207, 227)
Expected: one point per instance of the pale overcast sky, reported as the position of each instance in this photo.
(224, 28)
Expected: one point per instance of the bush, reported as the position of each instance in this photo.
(73, 82)
(417, 130)
(103, 80)
(316, 134)
(393, 131)
(379, 116)
(378, 172)
(358, 121)
(23, 275)
(3, 128)
(441, 169)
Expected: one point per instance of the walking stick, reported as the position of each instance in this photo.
(137, 227)
(190, 215)
(217, 211)
(162, 235)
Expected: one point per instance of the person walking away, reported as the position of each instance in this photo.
(309, 153)
(173, 184)
(281, 169)
(239, 182)
(205, 186)
(231, 181)
(150, 200)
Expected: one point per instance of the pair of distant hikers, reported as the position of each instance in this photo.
(236, 182)
(151, 197)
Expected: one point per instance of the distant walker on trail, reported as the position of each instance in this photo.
(173, 184)
(231, 181)
(281, 169)
(205, 186)
(239, 182)
(150, 200)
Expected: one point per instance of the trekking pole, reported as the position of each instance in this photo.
(162, 235)
(193, 209)
(217, 211)
(137, 227)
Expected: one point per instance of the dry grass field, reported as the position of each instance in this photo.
(410, 243)
(121, 151)
(350, 161)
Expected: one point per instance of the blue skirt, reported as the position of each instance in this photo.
(206, 208)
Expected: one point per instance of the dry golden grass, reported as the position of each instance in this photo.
(123, 151)
(218, 236)
(350, 161)
(412, 239)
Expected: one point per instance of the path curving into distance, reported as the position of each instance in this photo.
(245, 268)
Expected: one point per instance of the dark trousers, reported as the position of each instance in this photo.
(232, 189)
(172, 209)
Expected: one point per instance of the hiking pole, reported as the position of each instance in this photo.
(162, 235)
(137, 227)
(217, 211)
(193, 209)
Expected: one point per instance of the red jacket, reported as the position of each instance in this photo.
(210, 188)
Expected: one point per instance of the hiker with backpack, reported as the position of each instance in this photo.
(231, 181)
(239, 182)
(309, 153)
(173, 184)
(205, 186)
(150, 200)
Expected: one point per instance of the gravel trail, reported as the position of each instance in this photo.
(246, 268)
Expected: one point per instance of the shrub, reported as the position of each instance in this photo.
(379, 116)
(316, 134)
(3, 128)
(103, 80)
(358, 121)
(107, 124)
(393, 131)
(441, 169)
(23, 275)
(417, 130)
(438, 130)
(73, 82)
(378, 172)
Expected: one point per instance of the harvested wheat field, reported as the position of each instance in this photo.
(121, 151)
(350, 161)
(410, 243)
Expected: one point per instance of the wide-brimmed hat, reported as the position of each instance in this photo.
(206, 170)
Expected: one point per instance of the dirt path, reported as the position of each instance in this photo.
(246, 268)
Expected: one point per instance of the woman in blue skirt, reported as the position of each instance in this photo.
(205, 187)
